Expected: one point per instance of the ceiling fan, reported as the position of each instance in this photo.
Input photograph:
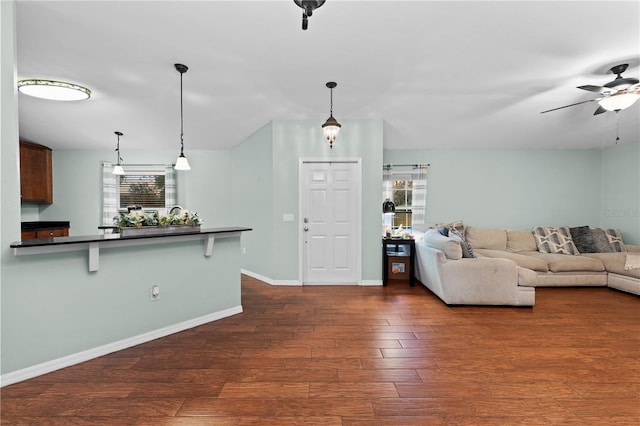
(617, 95)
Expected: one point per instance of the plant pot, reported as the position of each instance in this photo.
(159, 230)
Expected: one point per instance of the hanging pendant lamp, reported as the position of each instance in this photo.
(331, 127)
(117, 169)
(181, 162)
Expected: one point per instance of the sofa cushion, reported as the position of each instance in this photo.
(450, 247)
(520, 240)
(615, 240)
(494, 239)
(554, 240)
(569, 263)
(600, 241)
(521, 259)
(582, 238)
(614, 262)
(467, 249)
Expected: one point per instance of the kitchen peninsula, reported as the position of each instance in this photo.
(91, 312)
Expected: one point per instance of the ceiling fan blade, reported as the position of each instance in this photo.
(567, 106)
(600, 110)
(592, 88)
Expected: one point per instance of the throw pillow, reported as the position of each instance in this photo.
(554, 240)
(615, 240)
(600, 241)
(450, 247)
(467, 250)
(581, 236)
(457, 226)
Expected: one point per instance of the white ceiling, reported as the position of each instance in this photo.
(440, 74)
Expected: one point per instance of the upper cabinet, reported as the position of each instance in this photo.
(36, 182)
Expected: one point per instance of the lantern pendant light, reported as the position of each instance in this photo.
(331, 127)
(117, 169)
(181, 162)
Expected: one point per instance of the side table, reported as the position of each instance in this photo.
(391, 245)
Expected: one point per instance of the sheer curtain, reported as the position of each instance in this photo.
(417, 173)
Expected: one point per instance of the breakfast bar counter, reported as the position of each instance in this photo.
(93, 243)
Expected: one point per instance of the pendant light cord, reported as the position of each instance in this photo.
(118, 134)
(181, 119)
(331, 102)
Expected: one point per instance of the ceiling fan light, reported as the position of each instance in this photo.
(53, 90)
(619, 102)
(182, 163)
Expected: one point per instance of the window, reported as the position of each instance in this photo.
(402, 197)
(406, 186)
(146, 190)
(151, 186)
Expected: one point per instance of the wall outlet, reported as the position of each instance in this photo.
(155, 293)
(244, 250)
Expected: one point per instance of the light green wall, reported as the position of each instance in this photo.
(203, 189)
(621, 190)
(267, 165)
(252, 199)
(525, 188)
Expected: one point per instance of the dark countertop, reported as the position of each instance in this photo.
(56, 241)
(40, 225)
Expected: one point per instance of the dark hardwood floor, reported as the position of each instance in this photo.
(363, 356)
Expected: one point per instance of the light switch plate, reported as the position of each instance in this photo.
(288, 217)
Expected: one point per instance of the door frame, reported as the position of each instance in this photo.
(358, 231)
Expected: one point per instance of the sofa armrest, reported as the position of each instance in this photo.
(632, 248)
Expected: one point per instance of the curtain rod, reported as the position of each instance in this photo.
(415, 166)
(140, 164)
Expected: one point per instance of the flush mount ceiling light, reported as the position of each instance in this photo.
(308, 6)
(53, 90)
(331, 127)
(117, 169)
(181, 162)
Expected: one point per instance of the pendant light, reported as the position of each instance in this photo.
(181, 162)
(117, 169)
(331, 127)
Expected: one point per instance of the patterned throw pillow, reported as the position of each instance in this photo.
(554, 240)
(600, 241)
(467, 250)
(457, 226)
(615, 240)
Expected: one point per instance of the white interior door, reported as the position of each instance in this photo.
(331, 222)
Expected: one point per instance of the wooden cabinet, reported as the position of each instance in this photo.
(44, 229)
(36, 181)
(44, 233)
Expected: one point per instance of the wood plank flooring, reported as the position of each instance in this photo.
(363, 356)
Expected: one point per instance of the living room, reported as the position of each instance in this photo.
(497, 176)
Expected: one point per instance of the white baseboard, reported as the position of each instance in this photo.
(77, 358)
(298, 283)
(269, 280)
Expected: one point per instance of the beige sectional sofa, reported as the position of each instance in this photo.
(437, 262)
